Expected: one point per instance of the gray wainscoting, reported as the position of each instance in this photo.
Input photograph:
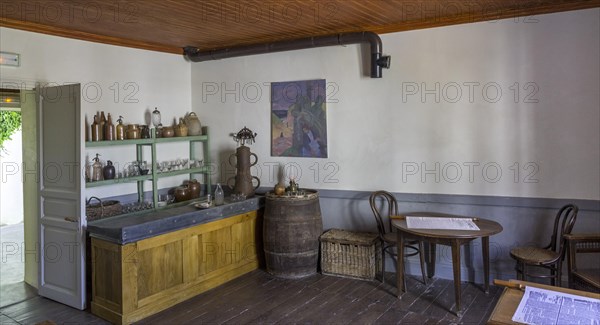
(525, 221)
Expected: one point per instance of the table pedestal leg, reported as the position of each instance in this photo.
(431, 260)
(400, 264)
(485, 247)
(456, 271)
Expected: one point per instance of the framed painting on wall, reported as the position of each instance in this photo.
(299, 119)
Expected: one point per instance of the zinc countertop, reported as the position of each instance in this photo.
(127, 229)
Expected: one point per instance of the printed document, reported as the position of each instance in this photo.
(540, 306)
(441, 223)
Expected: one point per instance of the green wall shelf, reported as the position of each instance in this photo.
(118, 181)
(155, 175)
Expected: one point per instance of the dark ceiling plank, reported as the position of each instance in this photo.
(168, 25)
(487, 15)
(69, 33)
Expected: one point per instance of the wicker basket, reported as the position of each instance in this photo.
(350, 254)
(102, 209)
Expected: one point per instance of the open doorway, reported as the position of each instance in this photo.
(13, 233)
(11, 158)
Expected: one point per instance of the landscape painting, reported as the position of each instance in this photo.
(299, 119)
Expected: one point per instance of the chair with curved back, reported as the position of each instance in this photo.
(379, 200)
(551, 256)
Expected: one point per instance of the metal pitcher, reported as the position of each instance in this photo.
(243, 178)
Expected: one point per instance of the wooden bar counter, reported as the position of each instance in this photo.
(145, 263)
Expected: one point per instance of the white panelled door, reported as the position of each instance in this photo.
(62, 216)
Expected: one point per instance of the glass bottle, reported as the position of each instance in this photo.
(95, 129)
(87, 129)
(219, 195)
(120, 129)
(109, 129)
(96, 169)
(102, 124)
(156, 117)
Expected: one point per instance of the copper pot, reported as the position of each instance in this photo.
(279, 189)
(168, 132)
(133, 132)
(182, 193)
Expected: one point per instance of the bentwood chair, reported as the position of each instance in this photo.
(379, 201)
(551, 256)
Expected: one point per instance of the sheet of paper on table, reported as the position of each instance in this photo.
(540, 306)
(440, 223)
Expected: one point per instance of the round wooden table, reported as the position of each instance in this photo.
(452, 238)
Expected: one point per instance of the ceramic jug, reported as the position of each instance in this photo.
(109, 170)
(194, 187)
(243, 178)
(181, 130)
(193, 123)
(182, 193)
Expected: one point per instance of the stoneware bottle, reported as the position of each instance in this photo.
(102, 124)
(109, 129)
(95, 129)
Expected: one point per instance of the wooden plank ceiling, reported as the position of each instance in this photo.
(169, 25)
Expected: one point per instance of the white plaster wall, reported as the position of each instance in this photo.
(390, 133)
(116, 80)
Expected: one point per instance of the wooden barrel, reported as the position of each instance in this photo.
(291, 229)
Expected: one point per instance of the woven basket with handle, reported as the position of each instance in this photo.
(102, 209)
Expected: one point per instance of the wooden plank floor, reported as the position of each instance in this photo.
(259, 298)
